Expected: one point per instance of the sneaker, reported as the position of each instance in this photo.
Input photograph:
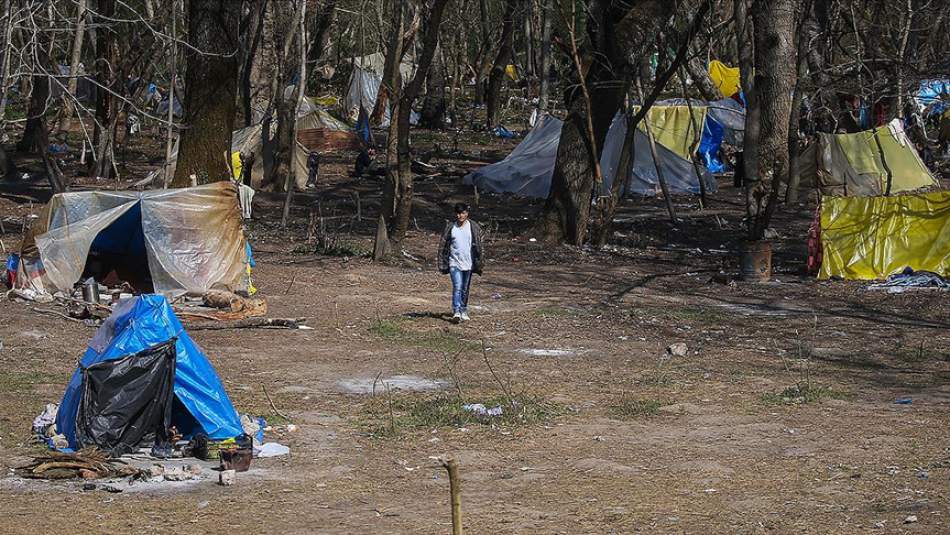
(457, 317)
(465, 316)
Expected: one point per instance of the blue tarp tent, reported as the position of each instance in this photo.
(140, 323)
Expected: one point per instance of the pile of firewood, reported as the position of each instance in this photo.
(88, 463)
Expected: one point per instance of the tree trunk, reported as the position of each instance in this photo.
(775, 76)
(433, 105)
(297, 100)
(484, 61)
(701, 81)
(253, 31)
(106, 106)
(30, 141)
(75, 59)
(320, 36)
(205, 145)
(390, 75)
(502, 59)
(545, 74)
(396, 208)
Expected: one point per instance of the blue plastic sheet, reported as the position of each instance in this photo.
(201, 404)
(709, 146)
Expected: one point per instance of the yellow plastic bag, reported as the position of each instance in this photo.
(868, 238)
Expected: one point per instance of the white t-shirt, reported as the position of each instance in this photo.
(460, 252)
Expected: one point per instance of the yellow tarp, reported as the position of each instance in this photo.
(908, 172)
(726, 78)
(236, 165)
(512, 72)
(868, 238)
(673, 129)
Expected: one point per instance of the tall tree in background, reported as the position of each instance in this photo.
(502, 59)
(210, 91)
(397, 199)
(615, 31)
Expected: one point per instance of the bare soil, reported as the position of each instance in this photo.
(781, 417)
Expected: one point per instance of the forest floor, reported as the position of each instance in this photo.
(780, 417)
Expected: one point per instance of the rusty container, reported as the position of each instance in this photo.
(755, 261)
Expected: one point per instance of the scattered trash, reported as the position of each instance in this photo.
(532, 239)
(502, 132)
(46, 420)
(273, 449)
(903, 401)
(291, 428)
(182, 473)
(880, 525)
(910, 519)
(481, 410)
(678, 349)
(910, 279)
(547, 352)
(923, 474)
(496, 296)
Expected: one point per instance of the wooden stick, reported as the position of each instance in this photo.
(55, 313)
(272, 406)
(455, 490)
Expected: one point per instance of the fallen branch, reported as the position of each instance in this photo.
(55, 313)
(272, 406)
(249, 323)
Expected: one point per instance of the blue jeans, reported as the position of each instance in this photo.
(461, 282)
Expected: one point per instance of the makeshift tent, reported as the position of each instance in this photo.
(726, 78)
(528, 168)
(859, 164)
(320, 131)
(869, 238)
(140, 375)
(175, 240)
(364, 84)
(678, 172)
(527, 171)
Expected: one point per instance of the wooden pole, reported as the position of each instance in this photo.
(698, 136)
(455, 490)
(166, 172)
(656, 160)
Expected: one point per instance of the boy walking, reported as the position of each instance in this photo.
(460, 255)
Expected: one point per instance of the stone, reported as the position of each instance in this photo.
(226, 478)
(678, 349)
(911, 519)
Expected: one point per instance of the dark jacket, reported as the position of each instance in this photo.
(445, 247)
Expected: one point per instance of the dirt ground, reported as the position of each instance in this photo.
(780, 417)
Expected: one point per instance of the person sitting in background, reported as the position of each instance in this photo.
(366, 162)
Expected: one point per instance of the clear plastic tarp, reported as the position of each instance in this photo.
(193, 238)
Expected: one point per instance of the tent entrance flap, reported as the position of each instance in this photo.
(118, 253)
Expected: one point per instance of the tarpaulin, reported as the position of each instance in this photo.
(709, 145)
(672, 127)
(860, 163)
(191, 239)
(869, 238)
(136, 325)
(726, 78)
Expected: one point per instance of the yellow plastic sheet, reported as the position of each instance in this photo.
(868, 238)
(512, 72)
(672, 128)
(726, 78)
(864, 154)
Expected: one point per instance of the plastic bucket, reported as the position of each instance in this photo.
(755, 261)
